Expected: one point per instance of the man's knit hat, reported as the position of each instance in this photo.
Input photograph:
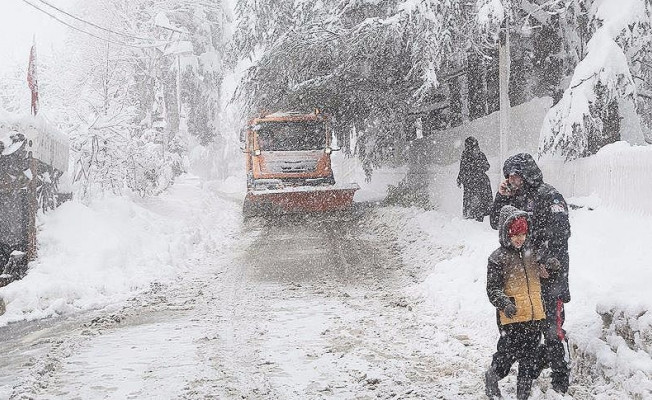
(517, 227)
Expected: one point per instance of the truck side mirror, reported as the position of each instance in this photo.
(329, 150)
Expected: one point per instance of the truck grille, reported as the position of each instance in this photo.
(292, 167)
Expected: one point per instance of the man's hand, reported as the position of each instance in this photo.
(504, 188)
(553, 264)
(510, 310)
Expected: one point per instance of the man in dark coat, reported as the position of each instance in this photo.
(524, 188)
(477, 188)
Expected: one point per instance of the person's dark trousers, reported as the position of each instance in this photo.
(555, 337)
(518, 342)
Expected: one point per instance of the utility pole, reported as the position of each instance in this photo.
(179, 86)
(503, 76)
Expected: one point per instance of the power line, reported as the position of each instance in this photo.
(92, 24)
(86, 32)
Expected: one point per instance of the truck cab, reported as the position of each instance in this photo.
(288, 149)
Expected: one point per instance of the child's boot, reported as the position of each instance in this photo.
(491, 383)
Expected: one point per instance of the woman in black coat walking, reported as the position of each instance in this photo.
(478, 197)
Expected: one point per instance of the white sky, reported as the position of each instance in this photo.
(19, 23)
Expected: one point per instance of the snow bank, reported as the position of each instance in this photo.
(609, 318)
(88, 256)
(349, 170)
(92, 256)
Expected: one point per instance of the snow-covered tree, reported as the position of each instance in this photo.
(587, 116)
(365, 62)
(121, 94)
(639, 52)
(98, 112)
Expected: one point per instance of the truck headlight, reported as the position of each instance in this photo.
(257, 152)
(328, 150)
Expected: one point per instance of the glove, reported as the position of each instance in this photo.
(543, 272)
(553, 264)
(510, 310)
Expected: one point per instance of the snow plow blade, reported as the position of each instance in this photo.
(300, 199)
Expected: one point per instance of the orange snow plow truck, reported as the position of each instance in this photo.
(288, 163)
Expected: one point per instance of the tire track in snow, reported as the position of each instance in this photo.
(327, 317)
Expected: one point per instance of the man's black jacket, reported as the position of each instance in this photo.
(550, 228)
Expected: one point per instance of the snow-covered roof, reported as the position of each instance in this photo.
(44, 141)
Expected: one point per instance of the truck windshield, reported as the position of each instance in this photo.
(291, 136)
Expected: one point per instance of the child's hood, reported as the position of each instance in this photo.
(508, 214)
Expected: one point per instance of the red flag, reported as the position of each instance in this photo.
(32, 79)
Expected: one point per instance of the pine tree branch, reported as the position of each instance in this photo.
(581, 82)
